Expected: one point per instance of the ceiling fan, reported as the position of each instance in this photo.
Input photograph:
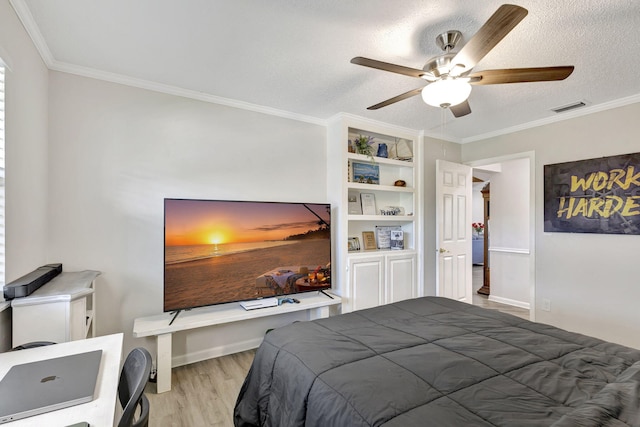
(449, 75)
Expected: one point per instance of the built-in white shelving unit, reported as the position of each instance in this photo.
(367, 278)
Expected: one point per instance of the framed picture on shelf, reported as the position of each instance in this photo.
(368, 203)
(365, 173)
(383, 235)
(369, 240)
(397, 240)
(353, 198)
(354, 244)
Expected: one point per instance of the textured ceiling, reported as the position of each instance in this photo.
(292, 57)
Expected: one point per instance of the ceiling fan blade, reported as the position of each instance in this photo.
(461, 109)
(395, 99)
(385, 66)
(520, 75)
(488, 36)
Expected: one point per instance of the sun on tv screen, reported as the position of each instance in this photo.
(218, 251)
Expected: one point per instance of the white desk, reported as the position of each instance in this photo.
(98, 413)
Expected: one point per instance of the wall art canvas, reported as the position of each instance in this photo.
(365, 173)
(593, 196)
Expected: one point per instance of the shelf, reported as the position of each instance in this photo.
(391, 218)
(225, 313)
(376, 187)
(316, 304)
(380, 160)
(367, 278)
(382, 252)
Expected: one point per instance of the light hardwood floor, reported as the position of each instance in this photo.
(203, 394)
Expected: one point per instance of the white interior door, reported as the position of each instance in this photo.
(453, 222)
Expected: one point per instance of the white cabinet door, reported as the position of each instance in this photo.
(401, 277)
(40, 322)
(366, 280)
(62, 310)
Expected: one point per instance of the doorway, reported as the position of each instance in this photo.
(480, 215)
(510, 231)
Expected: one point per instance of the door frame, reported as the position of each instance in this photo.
(530, 155)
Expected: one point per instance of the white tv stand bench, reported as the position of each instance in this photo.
(315, 303)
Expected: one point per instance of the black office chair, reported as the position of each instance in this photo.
(133, 379)
(32, 345)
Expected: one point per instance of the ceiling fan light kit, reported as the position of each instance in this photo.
(446, 92)
(449, 75)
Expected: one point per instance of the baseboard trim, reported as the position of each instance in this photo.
(521, 251)
(212, 353)
(508, 301)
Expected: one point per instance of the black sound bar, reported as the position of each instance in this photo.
(28, 283)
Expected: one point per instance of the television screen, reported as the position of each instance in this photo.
(218, 251)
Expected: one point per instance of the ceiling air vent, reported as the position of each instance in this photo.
(569, 107)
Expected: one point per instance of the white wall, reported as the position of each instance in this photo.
(26, 147)
(509, 233)
(26, 153)
(116, 151)
(590, 279)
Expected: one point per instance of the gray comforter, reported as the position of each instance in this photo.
(437, 362)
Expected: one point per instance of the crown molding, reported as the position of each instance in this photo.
(372, 122)
(177, 91)
(25, 16)
(560, 117)
(440, 136)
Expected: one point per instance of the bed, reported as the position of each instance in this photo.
(437, 362)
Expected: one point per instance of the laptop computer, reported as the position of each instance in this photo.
(47, 385)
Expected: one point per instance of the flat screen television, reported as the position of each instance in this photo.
(220, 251)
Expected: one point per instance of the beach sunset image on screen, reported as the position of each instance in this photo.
(224, 251)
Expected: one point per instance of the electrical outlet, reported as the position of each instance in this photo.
(546, 305)
(153, 375)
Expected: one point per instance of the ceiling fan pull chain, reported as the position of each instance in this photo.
(444, 150)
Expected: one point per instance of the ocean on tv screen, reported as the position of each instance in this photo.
(225, 251)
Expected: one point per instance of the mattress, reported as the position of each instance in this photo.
(436, 361)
